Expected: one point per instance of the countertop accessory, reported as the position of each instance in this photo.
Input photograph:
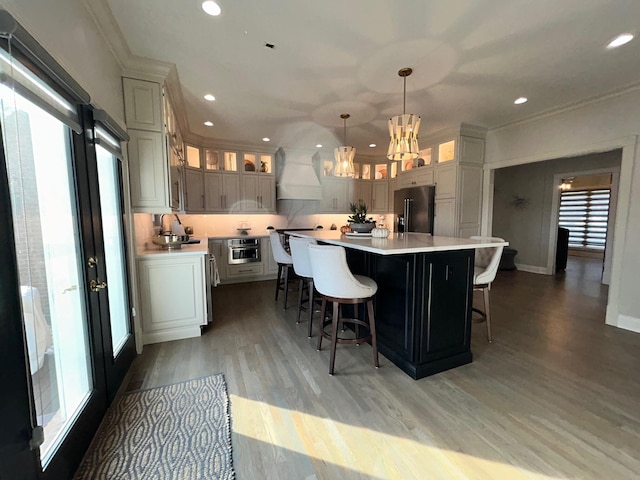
(357, 234)
(380, 232)
(170, 241)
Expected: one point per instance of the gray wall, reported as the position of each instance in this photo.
(527, 226)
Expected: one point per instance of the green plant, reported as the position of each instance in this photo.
(359, 213)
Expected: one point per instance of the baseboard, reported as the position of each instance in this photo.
(532, 269)
(629, 323)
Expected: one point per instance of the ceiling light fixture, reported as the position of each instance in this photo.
(208, 123)
(520, 100)
(372, 145)
(403, 129)
(266, 139)
(620, 40)
(209, 97)
(319, 145)
(344, 154)
(211, 8)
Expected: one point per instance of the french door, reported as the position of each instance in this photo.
(66, 288)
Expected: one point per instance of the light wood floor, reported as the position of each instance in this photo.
(557, 395)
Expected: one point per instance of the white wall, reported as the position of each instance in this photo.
(65, 29)
(599, 126)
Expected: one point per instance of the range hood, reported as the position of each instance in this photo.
(297, 179)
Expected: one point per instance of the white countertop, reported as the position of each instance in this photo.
(239, 235)
(201, 248)
(397, 243)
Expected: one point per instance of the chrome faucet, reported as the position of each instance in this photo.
(162, 231)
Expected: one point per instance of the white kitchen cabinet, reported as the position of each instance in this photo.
(173, 296)
(194, 191)
(416, 177)
(219, 250)
(446, 180)
(335, 195)
(258, 193)
(271, 266)
(362, 192)
(222, 192)
(148, 172)
(380, 196)
(142, 104)
(444, 222)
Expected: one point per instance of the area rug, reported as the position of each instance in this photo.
(179, 431)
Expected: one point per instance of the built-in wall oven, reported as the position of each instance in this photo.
(243, 250)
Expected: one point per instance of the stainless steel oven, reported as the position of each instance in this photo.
(243, 250)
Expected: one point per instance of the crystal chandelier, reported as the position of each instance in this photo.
(403, 129)
(344, 155)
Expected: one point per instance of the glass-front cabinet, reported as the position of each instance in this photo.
(257, 162)
(215, 159)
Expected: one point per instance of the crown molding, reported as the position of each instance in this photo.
(569, 107)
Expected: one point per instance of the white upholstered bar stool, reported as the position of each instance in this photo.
(333, 280)
(284, 261)
(484, 272)
(302, 267)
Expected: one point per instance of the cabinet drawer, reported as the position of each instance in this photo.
(244, 269)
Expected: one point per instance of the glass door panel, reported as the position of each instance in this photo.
(47, 239)
(113, 235)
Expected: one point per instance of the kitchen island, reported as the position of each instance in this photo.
(424, 299)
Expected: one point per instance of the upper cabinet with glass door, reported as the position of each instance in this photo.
(220, 160)
(372, 170)
(257, 163)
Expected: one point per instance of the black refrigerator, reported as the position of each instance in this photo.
(413, 209)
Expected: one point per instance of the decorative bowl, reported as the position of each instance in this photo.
(362, 227)
(380, 232)
(169, 240)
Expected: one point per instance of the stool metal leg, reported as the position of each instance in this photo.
(310, 295)
(334, 337)
(286, 285)
(372, 328)
(323, 310)
(487, 310)
(278, 280)
(300, 290)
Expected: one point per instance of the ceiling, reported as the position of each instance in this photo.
(471, 59)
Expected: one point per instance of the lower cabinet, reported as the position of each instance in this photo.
(173, 296)
(265, 269)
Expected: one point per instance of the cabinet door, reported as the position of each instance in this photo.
(270, 264)
(219, 250)
(213, 192)
(148, 172)
(449, 298)
(231, 193)
(194, 191)
(445, 218)
(177, 188)
(362, 193)
(142, 104)
(343, 195)
(380, 197)
(267, 194)
(250, 193)
(446, 180)
(470, 200)
(175, 309)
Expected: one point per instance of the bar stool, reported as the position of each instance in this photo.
(302, 267)
(335, 282)
(284, 261)
(484, 272)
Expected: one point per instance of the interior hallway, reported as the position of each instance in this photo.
(555, 395)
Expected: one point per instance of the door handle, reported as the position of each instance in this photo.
(96, 285)
(92, 262)
(70, 289)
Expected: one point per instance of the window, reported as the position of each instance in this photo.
(585, 213)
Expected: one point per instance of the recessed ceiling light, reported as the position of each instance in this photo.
(209, 97)
(319, 145)
(266, 139)
(620, 40)
(520, 100)
(372, 145)
(212, 8)
(208, 123)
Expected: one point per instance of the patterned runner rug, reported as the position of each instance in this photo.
(179, 431)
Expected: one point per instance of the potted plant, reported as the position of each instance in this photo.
(358, 221)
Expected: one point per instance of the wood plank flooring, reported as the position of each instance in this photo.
(557, 395)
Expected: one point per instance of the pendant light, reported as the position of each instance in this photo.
(403, 129)
(344, 155)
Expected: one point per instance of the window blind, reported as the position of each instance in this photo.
(585, 213)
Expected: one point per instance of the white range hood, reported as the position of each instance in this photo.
(297, 179)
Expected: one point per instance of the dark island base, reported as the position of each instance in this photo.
(418, 371)
(422, 307)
